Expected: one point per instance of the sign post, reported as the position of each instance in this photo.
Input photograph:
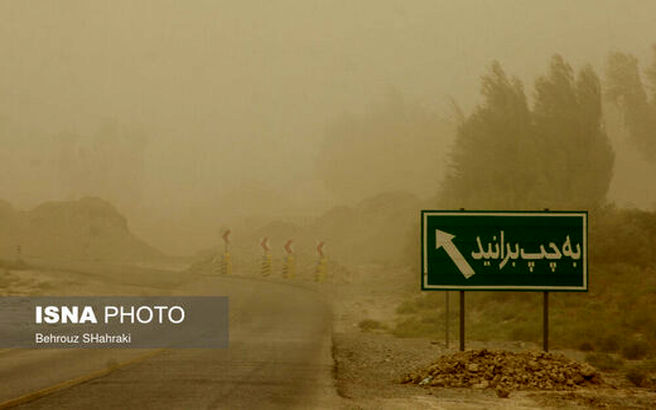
(266, 258)
(545, 322)
(502, 250)
(320, 272)
(462, 320)
(227, 261)
(446, 318)
(289, 268)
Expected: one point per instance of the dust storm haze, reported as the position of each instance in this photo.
(194, 116)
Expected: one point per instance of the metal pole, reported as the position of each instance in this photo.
(462, 316)
(545, 322)
(446, 318)
(462, 320)
(545, 316)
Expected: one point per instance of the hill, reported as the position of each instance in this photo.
(377, 230)
(89, 229)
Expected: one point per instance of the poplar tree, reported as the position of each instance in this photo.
(576, 158)
(492, 145)
(625, 90)
(555, 155)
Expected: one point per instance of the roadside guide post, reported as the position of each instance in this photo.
(542, 251)
(289, 269)
(266, 259)
(227, 262)
(320, 273)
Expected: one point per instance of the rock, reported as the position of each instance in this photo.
(503, 393)
(533, 365)
(506, 370)
(595, 379)
(426, 380)
(439, 382)
(482, 385)
(588, 371)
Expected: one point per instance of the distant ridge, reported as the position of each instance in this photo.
(89, 229)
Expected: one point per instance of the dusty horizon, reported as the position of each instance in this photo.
(193, 117)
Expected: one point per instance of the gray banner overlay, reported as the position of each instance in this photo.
(114, 322)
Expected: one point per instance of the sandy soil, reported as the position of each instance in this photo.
(91, 280)
(370, 364)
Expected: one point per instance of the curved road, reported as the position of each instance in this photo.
(279, 357)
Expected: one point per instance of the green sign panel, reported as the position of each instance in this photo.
(496, 250)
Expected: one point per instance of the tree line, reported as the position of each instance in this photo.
(555, 152)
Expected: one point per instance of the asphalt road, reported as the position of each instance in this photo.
(278, 357)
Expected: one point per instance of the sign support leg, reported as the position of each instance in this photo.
(446, 318)
(545, 317)
(462, 320)
(545, 322)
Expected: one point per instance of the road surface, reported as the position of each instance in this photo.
(279, 357)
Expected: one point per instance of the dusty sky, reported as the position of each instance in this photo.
(234, 97)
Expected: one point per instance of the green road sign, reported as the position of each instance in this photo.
(497, 250)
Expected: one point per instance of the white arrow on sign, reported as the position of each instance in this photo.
(445, 240)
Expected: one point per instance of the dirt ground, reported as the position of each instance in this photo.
(91, 280)
(369, 365)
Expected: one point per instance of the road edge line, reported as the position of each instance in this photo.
(26, 398)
